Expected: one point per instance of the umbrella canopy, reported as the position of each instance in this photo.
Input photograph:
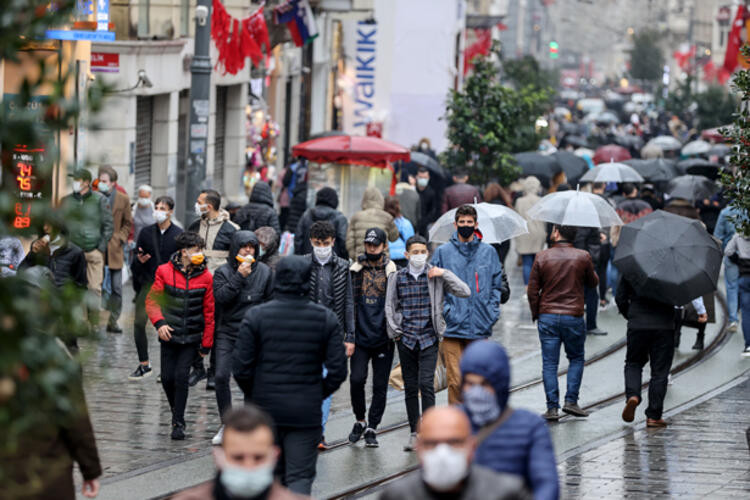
(429, 163)
(612, 172)
(351, 150)
(719, 150)
(606, 117)
(693, 163)
(665, 143)
(697, 147)
(610, 152)
(708, 170)
(713, 135)
(577, 141)
(650, 151)
(632, 209)
(669, 258)
(584, 152)
(691, 188)
(497, 223)
(656, 170)
(629, 141)
(575, 208)
(543, 167)
(573, 166)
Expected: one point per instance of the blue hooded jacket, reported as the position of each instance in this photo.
(476, 264)
(522, 444)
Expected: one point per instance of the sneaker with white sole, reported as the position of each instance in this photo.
(746, 352)
(412, 444)
(142, 372)
(733, 326)
(217, 439)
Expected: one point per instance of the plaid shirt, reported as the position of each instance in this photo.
(414, 297)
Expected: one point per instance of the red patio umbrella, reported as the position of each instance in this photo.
(610, 152)
(352, 150)
(713, 135)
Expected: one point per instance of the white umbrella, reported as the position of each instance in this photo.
(497, 223)
(612, 172)
(665, 142)
(575, 208)
(584, 152)
(697, 147)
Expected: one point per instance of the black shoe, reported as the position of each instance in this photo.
(142, 372)
(210, 384)
(178, 432)
(371, 440)
(356, 433)
(196, 376)
(698, 346)
(323, 445)
(113, 328)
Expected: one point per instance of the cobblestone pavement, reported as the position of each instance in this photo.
(702, 454)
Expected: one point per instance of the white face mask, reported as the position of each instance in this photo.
(323, 253)
(422, 182)
(104, 188)
(444, 467)
(418, 261)
(160, 216)
(144, 202)
(200, 209)
(246, 483)
(77, 186)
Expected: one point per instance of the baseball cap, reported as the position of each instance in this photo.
(375, 235)
(81, 173)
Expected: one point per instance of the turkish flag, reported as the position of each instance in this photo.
(731, 59)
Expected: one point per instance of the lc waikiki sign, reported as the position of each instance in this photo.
(361, 97)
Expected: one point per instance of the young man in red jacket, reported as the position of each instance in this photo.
(181, 307)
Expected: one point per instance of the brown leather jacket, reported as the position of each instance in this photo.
(557, 280)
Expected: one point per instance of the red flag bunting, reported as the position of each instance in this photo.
(236, 40)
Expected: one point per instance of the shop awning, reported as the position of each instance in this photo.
(352, 150)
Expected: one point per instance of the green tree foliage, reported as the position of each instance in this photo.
(716, 107)
(646, 58)
(736, 180)
(487, 121)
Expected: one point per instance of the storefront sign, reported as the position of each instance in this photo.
(103, 62)
(359, 83)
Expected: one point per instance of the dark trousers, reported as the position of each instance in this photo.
(295, 467)
(418, 370)
(175, 369)
(591, 297)
(198, 363)
(382, 359)
(658, 347)
(114, 301)
(224, 349)
(139, 326)
(601, 270)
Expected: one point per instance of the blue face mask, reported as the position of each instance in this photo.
(261, 251)
(482, 405)
(246, 483)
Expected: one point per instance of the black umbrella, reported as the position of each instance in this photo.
(668, 257)
(654, 170)
(691, 187)
(540, 166)
(702, 167)
(430, 163)
(574, 166)
(628, 141)
(684, 165)
(577, 141)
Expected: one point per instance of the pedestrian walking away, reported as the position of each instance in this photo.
(738, 251)
(245, 461)
(556, 301)
(371, 342)
(154, 247)
(528, 245)
(331, 286)
(590, 240)
(471, 318)
(238, 285)
(259, 211)
(326, 202)
(280, 348)
(89, 217)
(460, 193)
(514, 441)
(180, 305)
(725, 230)
(115, 255)
(650, 338)
(445, 449)
(414, 307)
(373, 214)
(405, 231)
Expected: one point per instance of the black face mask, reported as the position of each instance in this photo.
(465, 231)
(372, 256)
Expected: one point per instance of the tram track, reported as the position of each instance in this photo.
(721, 338)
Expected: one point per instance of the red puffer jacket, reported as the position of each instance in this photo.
(184, 301)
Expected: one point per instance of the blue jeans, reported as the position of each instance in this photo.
(326, 406)
(613, 274)
(528, 261)
(556, 329)
(745, 307)
(732, 278)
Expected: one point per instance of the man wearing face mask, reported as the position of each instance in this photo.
(331, 286)
(245, 462)
(55, 251)
(155, 245)
(115, 256)
(472, 318)
(445, 449)
(181, 307)
(143, 211)
(89, 220)
(513, 441)
(429, 204)
(371, 343)
(239, 284)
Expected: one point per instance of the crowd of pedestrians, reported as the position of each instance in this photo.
(344, 298)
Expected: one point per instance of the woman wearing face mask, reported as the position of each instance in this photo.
(246, 460)
(181, 307)
(512, 441)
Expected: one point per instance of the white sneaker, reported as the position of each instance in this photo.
(412, 444)
(746, 352)
(732, 327)
(669, 379)
(216, 441)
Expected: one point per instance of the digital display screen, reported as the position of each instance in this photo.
(31, 185)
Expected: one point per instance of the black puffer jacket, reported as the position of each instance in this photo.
(234, 293)
(297, 206)
(259, 212)
(281, 347)
(67, 263)
(643, 313)
(302, 245)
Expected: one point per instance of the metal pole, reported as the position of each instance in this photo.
(200, 89)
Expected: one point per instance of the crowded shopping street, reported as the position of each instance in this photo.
(375, 249)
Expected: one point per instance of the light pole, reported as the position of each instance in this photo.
(200, 89)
